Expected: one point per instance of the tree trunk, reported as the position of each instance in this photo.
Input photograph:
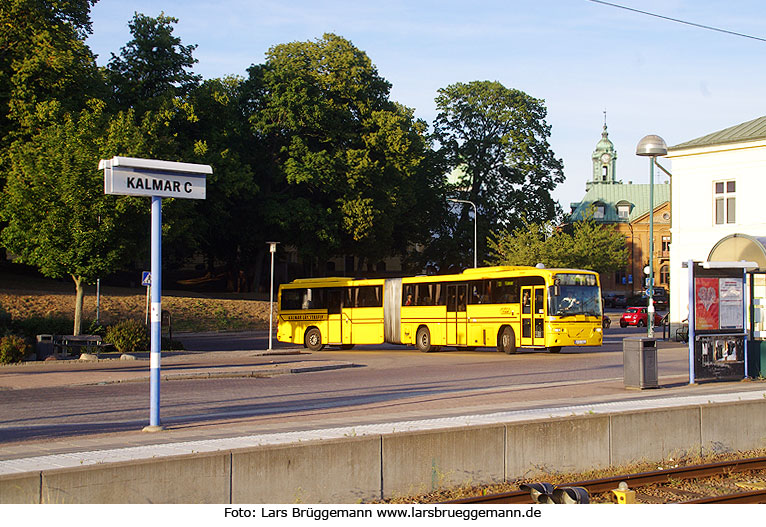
(78, 304)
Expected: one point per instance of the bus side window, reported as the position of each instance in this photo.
(348, 297)
(408, 296)
(423, 296)
(476, 293)
(440, 297)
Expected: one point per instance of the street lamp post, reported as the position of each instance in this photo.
(475, 220)
(272, 250)
(651, 146)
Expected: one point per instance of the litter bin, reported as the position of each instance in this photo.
(44, 346)
(639, 359)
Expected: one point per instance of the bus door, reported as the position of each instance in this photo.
(533, 316)
(334, 316)
(457, 320)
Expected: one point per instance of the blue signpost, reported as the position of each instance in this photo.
(151, 177)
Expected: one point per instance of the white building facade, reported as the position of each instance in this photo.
(718, 195)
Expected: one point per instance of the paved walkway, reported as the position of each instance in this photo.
(556, 400)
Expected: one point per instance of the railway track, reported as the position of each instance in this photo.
(708, 483)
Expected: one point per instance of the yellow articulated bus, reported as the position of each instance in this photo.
(503, 307)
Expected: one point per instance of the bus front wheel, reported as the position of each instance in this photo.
(423, 340)
(506, 341)
(314, 339)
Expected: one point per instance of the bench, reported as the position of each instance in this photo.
(78, 344)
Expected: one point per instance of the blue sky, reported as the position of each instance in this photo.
(580, 57)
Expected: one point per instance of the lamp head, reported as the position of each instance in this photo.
(652, 146)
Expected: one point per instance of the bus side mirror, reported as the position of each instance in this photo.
(556, 290)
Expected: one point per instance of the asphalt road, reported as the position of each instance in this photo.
(387, 383)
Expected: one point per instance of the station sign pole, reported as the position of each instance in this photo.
(155, 178)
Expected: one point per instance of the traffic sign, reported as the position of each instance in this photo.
(146, 278)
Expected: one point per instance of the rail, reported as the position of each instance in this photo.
(643, 479)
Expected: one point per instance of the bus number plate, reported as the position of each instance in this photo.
(580, 342)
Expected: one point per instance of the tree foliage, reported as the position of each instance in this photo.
(58, 217)
(350, 162)
(153, 67)
(589, 245)
(499, 139)
(43, 57)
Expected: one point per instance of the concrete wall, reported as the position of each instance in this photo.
(340, 471)
(420, 462)
(361, 469)
(557, 445)
(201, 478)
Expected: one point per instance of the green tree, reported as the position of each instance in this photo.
(351, 166)
(213, 128)
(499, 138)
(525, 245)
(153, 68)
(586, 245)
(43, 57)
(58, 217)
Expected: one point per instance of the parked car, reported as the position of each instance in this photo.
(660, 298)
(638, 316)
(619, 301)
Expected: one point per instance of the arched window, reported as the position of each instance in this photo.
(665, 274)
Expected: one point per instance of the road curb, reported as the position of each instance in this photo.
(263, 372)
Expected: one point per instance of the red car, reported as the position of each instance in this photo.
(638, 316)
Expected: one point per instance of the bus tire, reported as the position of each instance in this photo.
(553, 349)
(506, 340)
(423, 340)
(313, 339)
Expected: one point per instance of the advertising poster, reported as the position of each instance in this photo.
(730, 303)
(706, 308)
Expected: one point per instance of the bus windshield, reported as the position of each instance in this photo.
(575, 300)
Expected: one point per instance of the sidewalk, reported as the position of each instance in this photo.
(111, 368)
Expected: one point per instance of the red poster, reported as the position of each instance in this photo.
(706, 303)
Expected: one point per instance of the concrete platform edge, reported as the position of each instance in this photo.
(373, 461)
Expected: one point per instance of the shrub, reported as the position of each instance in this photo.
(5, 321)
(128, 336)
(31, 326)
(13, 349)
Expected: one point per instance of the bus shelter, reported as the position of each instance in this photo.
(719, 294)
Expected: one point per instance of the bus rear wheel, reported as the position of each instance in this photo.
(506, 341)
(423, 340)
(313, 339)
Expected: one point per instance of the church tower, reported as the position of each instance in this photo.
(604, 161)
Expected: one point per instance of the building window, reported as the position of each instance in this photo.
(665, 246)
(665, 274)
(623, 211)
(599, 210)
(725, 201)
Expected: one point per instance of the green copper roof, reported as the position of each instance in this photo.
(610, 195)
(749, 131)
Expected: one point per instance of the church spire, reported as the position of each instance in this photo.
(604, 160)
